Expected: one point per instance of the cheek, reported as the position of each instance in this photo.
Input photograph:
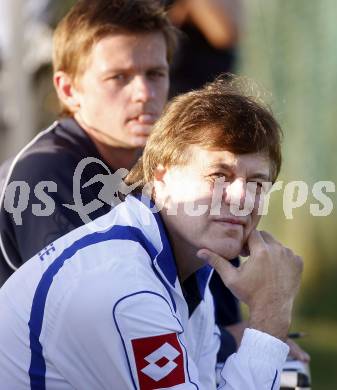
(196, 230)
(109, 92)
(95, 97)
(189, 190)
(161, 92)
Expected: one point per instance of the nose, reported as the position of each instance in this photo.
(236, 192)
(142, 90)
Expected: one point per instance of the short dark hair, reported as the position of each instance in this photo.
(219, 116)
(88, 21)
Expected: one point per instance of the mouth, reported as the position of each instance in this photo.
(144, 118)
(231, 221)
(141, 125)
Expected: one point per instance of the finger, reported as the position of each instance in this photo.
(297, 352)
(299, 355)
(255, 241)
(245, 250)
(267, 237)
(224, 268)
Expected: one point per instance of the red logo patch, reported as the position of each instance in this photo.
(159, 361)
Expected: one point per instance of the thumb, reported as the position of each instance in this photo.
(223, 267)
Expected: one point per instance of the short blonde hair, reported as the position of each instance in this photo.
(89, 21)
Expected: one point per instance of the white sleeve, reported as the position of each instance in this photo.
(257, 365)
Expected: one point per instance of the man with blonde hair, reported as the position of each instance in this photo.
(110, 61)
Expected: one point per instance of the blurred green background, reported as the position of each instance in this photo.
(290, 48)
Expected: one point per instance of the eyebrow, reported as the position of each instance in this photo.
(261, 176)
(226, 167)
(128, 69)
(221, 166)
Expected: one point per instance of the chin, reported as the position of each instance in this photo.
(229, 249)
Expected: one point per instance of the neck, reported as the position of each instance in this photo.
(187, 261)
(185, 254)
(114, 155)
(117, 157)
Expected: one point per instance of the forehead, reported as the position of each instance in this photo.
(125, 50)
(246, 165)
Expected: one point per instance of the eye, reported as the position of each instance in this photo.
(217, 175)
(156, 74)
(260, 187)
(118, 77)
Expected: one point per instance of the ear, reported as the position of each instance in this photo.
(159, 173)
(66, 90)
(159, 183)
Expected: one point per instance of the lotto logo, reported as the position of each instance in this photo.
(159, 361)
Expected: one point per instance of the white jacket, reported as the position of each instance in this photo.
(102, 308)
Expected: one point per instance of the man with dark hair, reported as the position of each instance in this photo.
(124, 303)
